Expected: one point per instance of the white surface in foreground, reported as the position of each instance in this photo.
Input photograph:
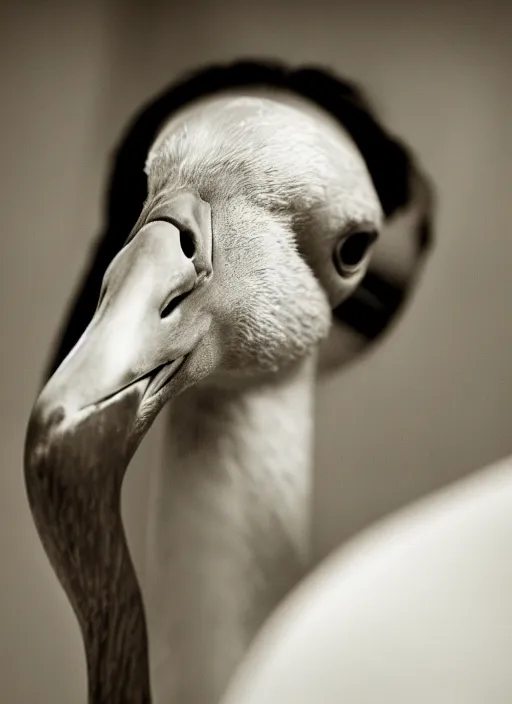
(416, 610)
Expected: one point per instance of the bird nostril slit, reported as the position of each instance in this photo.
(173, 304)
(188, 246)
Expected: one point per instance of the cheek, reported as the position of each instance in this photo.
(270, 308)
(276, 316)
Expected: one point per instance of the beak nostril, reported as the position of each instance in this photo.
(173, 304)
(187, 243)
(187, 239)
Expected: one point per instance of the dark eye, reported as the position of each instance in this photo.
(351, 251)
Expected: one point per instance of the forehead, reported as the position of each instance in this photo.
(289, 151)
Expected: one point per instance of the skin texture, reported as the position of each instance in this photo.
(219, 301)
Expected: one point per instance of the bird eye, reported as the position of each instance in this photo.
(351, 251)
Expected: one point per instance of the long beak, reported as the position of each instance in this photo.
(139, 335)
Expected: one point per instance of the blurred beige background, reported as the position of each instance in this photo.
(431, 404)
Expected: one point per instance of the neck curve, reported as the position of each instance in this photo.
(228, 531)
(73, 474)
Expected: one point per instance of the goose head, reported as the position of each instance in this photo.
(261, 218)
